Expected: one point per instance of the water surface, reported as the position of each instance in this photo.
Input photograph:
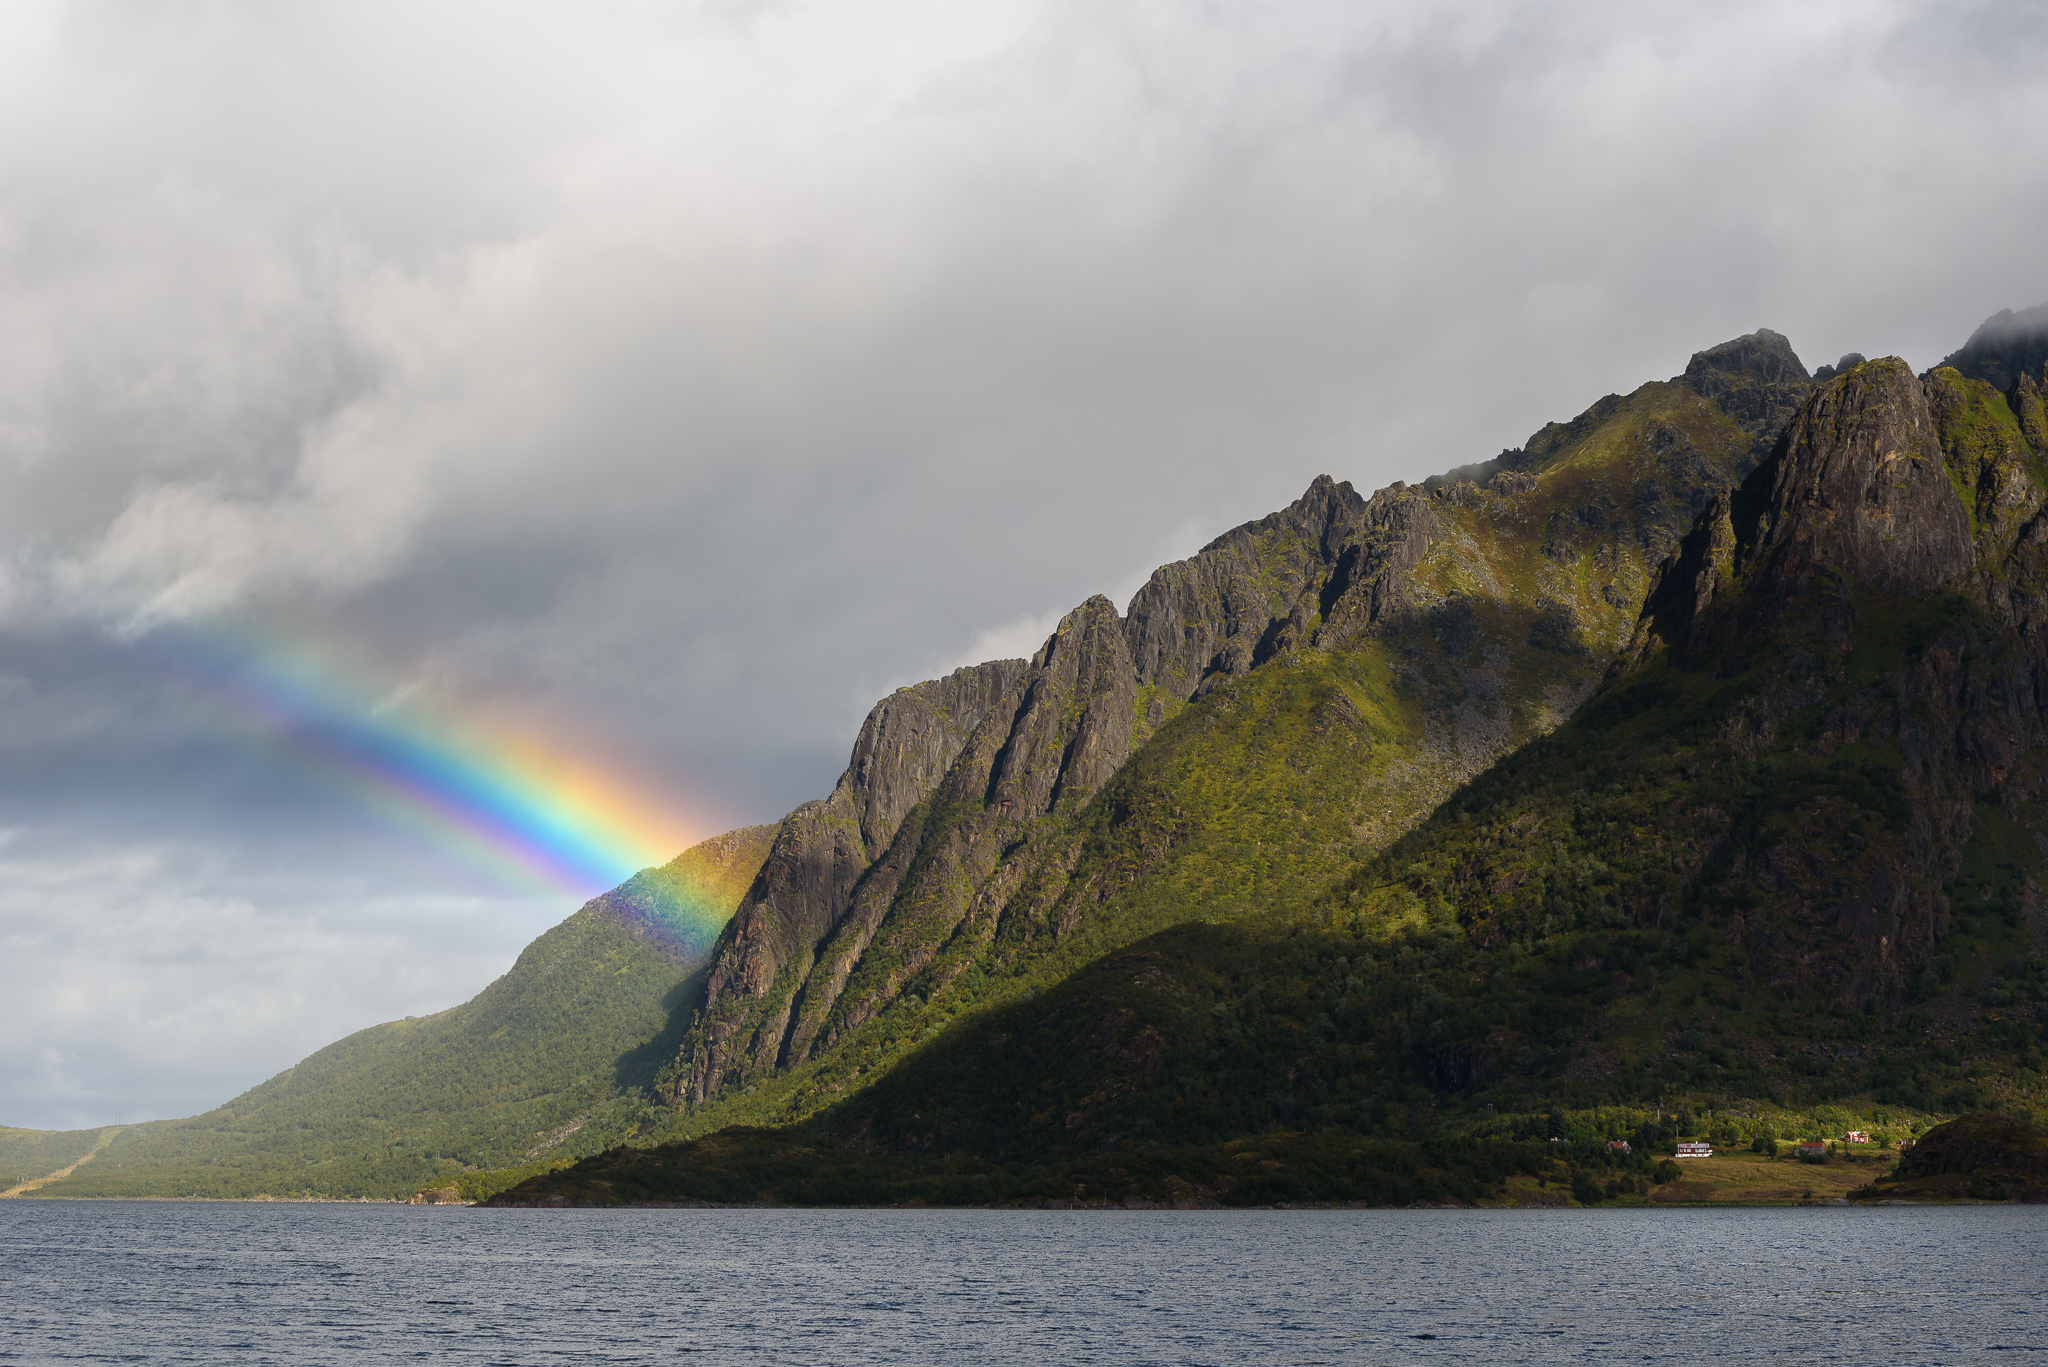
(122, 1281)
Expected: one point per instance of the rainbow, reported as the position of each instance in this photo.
(499, 797)
(682, 906)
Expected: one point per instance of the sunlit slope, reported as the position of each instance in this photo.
(550, 1059)
(1441, 629)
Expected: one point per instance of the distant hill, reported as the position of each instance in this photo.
(551, 1060)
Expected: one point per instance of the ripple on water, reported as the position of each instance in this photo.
(259, 1283)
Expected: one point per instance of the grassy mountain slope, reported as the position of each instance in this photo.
(549, 1061)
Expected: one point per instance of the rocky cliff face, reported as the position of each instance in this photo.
(1757, 380)
(1420, 634)
(822, 850)
(1870, 598)
(1222, 611)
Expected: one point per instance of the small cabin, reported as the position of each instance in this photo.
(1618, 1146)
(1813, 1148)
(1856, 1137)
(1694, 1149)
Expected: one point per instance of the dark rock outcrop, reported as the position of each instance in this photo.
(1757, 380)
(1860, 493)
(1973, 1157)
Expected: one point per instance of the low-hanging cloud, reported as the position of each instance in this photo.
(691, 374)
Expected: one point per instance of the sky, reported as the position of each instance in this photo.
(453, 454)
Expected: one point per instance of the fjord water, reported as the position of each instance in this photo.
(261, 1283)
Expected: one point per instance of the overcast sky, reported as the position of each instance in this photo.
(664, 383)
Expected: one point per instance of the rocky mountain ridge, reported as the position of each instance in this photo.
(1485, 611)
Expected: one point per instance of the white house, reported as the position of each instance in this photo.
(1694, 1149)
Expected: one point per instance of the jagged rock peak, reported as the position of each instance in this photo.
(1323, 507)
(1207, 616)
(1859, 489)
(2004, 347)
(1856, 493)
(1757, 379)
(911, 738)
(1762, 355)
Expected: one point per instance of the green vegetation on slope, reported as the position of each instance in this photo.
(28, 1154)
(1224, 1064)
(1636, 907)
(552, 1059)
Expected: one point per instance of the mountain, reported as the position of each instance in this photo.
(1283, 703)
(550, 1061)
(1780, 869)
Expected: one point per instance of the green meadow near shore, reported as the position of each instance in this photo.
(1680, 775)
